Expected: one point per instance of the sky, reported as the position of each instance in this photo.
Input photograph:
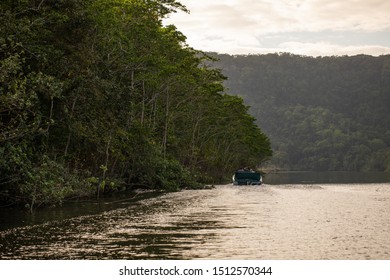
(303, 27)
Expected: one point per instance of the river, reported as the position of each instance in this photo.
(278, 220)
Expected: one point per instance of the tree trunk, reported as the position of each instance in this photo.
(105, 167)
(70, 132)
(165, 136)
(143, 104)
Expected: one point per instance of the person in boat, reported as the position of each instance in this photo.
(246, 169)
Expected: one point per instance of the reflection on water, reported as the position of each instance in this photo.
(10, 218)
(296, 221)
(331, 177)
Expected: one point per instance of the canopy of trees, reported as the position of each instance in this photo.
(324, 113)
(97, 95)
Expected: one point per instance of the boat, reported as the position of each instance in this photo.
(247, 176)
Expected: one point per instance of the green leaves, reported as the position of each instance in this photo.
(99, 94)
(324, 113)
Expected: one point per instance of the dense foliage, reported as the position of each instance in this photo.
(324, 113)
(97, 95)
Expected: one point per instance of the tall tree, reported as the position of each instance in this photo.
(98, 95)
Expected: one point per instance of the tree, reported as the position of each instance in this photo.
(99, 95)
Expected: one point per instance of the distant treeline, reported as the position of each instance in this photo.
(99, 95)
(324, 113)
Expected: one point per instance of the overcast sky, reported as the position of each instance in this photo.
(306, 27)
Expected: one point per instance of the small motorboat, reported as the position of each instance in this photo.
(247, 176)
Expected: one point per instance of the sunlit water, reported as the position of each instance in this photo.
(301, 221)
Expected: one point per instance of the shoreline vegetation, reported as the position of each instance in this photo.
(99, 96)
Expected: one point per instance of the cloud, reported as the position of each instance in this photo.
(290, 15)
(358, 15)
(328, 49)
(244, 25)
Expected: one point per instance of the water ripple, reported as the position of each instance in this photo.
(268, 222)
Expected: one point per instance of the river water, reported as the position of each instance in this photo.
(273, 221)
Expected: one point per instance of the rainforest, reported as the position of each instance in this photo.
(99, 96)
(320, 113)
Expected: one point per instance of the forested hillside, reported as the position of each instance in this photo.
(98, 95)
(324, 113)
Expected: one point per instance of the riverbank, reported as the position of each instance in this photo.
(11, 217)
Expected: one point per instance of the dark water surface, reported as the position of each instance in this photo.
(272, 221)
(333, 177)
(17, 217)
